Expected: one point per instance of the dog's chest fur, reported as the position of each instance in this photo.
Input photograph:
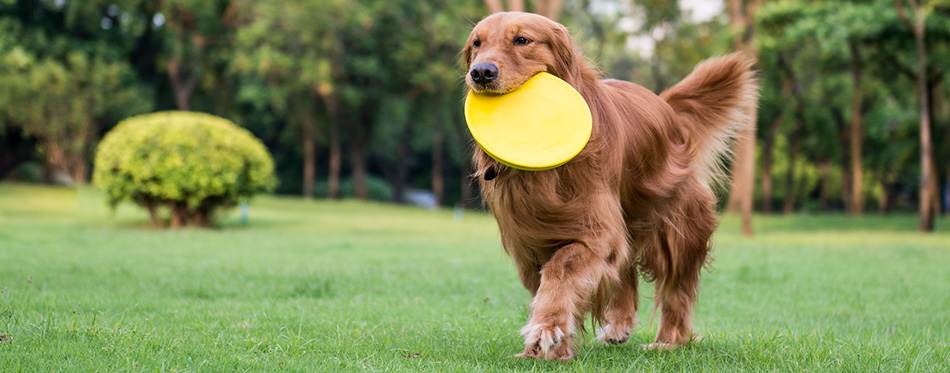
(541, 211)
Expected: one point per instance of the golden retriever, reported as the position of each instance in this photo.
(636, 201)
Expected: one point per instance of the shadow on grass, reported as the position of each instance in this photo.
(224, 225)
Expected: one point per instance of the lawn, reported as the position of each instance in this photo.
(330, 286)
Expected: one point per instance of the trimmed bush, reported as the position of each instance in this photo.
(189, 164)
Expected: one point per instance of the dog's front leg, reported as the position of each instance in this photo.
(567, 281)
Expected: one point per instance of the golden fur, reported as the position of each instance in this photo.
(635, 202)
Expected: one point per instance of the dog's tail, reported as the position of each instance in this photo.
(716, 103)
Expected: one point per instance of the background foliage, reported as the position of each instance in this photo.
(361, 98)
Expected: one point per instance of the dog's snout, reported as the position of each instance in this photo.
(484, 73)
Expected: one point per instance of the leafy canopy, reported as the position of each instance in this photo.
(203, 161)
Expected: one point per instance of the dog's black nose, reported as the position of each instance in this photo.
(484, 73)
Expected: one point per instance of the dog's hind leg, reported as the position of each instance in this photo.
(685, 243)
(621, 314)
(676, 302)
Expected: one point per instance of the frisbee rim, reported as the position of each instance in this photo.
(585, 126)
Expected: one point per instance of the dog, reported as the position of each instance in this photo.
(637, 201)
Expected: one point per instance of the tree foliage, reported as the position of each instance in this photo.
(358, 97)
(191, 163)
(60, 94)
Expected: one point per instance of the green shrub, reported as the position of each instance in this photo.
(193, 164)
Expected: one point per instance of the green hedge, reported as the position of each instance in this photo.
(188, 164)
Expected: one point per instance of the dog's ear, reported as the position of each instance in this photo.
(568, 60)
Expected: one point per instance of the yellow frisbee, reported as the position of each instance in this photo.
(539, 126)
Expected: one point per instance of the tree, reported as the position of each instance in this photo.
(928, 178)
(789, 83)
(64, 80)
(293, 50)
(848, 49)
(742, 14)
(197, 28)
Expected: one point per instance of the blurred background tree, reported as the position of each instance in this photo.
(182, 167)
(362, 99)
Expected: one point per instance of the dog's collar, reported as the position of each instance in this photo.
(490, 174)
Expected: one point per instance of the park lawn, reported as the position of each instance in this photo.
(330, 286)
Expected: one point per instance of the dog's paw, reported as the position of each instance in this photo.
(530, 353)
(563, 352)
(542, 337)
(614, 335)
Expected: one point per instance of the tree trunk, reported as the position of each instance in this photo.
(857, 135)
(737, 21)
(335, 158)
(844, 136)
(403, 155)
(358, 159)
(55, 160)
(79, 170)
(547, 8)
(741, 194)
(182, 96)
(884, 201)
(658, 80)
(847, 181)
(152, 207)
(935, 189)
(181, 87)
(935, 104)
(47, 172)
(927, 179)
(768, 142)
(494, 6)
(843, 130)
(938, 98)
(308, 129)
(793, 147)
(438, 185)
(402, 171)
(824, 176)
(946, 188)
(179, 214)
(767, 145)
(77, 164)
(743, 184)
(201, 217)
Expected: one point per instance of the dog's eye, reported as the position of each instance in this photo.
(477, 43)
(521, 40)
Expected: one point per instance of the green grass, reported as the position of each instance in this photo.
(321, 286)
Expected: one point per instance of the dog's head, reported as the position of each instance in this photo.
(506, 49)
